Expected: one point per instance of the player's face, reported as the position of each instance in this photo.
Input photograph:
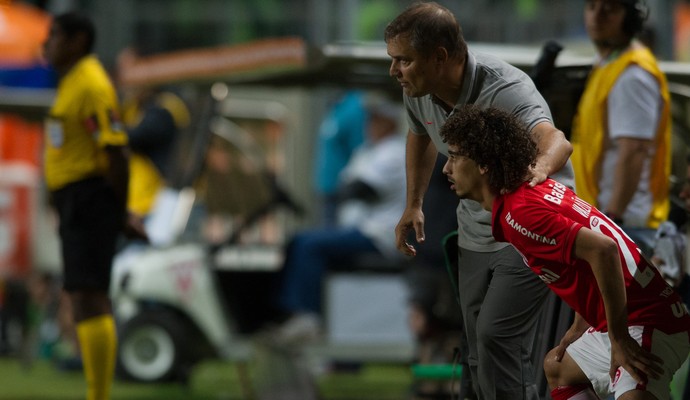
(413, 71)
(604, 22)
(464, 175)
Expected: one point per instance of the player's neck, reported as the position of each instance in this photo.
(65, 68)
(487, 200)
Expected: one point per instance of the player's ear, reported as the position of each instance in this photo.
(483, 170)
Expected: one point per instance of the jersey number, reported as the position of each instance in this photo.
(642, 277)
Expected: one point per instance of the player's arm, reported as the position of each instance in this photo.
(601, 253)
(117, 176)
(573, 333)
(104, 125)
(554, 151)
(420, 156)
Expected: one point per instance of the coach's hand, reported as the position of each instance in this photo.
(554, 151)
(538, 173)
(412, 219)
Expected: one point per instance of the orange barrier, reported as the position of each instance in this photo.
(20, 155)
(209, 63)
(22, 33)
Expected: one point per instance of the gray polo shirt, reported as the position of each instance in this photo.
(487, 82)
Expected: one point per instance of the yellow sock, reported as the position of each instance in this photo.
(98, 344)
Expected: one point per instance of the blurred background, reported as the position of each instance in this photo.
(163, 25)
(251, 85)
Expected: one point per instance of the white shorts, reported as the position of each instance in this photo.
(592, 353)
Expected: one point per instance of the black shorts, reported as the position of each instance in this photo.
(90, 222)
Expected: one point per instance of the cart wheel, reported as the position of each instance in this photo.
(151, 348)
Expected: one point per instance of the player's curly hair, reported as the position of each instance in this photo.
(495, 140)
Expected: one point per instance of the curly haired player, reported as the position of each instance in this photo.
(631, 331)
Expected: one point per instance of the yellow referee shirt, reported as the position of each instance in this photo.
(82, 122)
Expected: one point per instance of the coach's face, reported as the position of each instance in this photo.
(414, 72)
(465, 176)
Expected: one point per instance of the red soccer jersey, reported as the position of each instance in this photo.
(542, 223)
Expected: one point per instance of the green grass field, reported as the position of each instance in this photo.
(211, 380)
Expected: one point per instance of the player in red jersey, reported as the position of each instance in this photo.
(631, 331)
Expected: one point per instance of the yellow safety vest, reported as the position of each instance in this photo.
(590, 131)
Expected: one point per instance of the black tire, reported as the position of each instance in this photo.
(152, 347)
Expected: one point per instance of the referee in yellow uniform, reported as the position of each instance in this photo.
(86, 172)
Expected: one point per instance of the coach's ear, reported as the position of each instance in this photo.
(483, 170)
(440, 56)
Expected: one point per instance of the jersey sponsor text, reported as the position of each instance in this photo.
(526, 232)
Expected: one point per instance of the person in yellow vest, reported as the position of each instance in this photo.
(152, 118)
(622, 128)
(86, 173)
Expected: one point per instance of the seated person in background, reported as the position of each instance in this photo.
(630, 333)
(670, 251)
(339, 135)
(152, 118)
(669, 257)
(683, 281)
(371, 196)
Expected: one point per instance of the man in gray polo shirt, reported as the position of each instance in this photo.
(500, 298)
